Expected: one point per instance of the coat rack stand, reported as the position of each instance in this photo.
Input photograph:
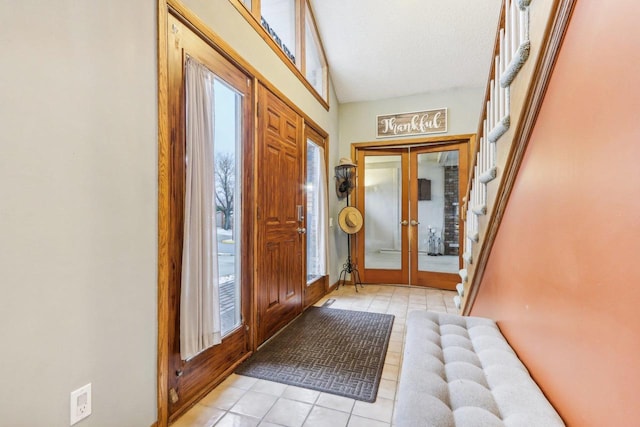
(349, 267)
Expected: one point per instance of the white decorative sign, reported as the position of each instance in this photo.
(416, 123)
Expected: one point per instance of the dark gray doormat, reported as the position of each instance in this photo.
(326, 349)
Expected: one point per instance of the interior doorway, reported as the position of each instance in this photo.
(411, 198)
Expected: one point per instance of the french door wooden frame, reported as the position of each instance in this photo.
(408, 273)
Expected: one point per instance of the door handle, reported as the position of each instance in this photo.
(414, 222)
(404, 222)
(302, 230)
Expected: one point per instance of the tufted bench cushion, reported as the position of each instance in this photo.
(460, 371)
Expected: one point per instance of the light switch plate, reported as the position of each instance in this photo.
(80, 407)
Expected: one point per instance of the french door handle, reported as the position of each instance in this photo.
(404, 222)
(414, 222)
(302, 230)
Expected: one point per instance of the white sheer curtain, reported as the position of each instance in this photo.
(199, 299)
(323, 216)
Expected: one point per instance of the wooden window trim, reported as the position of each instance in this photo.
(318, 40)
(253, 18)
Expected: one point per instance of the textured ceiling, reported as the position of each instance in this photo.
(380, 49)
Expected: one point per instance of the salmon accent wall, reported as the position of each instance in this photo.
(563, 278)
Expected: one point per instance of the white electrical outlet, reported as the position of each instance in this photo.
(80, 404)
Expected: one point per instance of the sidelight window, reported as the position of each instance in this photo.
(316, 188)
(228, 184)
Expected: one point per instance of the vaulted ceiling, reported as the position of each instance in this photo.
(380, 49)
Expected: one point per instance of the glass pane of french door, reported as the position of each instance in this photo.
(228, 178)
(383, 211)
(438, 219)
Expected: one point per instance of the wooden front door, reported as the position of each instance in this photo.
(279, 281)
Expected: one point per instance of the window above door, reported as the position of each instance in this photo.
(289, 28)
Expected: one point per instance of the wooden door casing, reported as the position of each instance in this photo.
(279, 281)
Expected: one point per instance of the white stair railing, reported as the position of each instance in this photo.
(512, 52)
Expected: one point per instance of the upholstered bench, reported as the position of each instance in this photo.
(460, 371)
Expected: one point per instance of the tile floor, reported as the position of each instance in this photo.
(243, 401)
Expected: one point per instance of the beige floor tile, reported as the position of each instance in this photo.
(361, 305)
(301, 394)
(381, 410)
(325, 417)
(254, 404)
(390, 372)
(396, 336)
(387, 389)
(237, 420)
(199, 416)
(223, 397)
(356, 421)
(239, 381)
(397, 312)
(269, 387)
(397, 327)
(438, 308)
(393, 358)
(395, 346)
(288, 413)
(332, 401)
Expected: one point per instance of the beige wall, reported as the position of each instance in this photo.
(78, 210)
(78, 203)
(562, 276)
(357, 123)
(358, 119)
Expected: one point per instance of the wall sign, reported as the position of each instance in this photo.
(416, 123)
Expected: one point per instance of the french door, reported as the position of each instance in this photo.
(411, 199)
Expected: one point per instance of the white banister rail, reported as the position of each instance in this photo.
(512, 50)
(507, 120)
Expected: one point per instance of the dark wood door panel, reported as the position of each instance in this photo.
(279, 282)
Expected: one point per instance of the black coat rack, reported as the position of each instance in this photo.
(345, 172)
